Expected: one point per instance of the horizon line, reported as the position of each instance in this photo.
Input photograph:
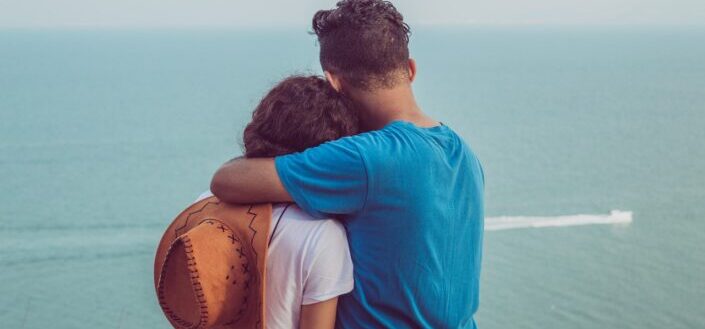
(307, 27)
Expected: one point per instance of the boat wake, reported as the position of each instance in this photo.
(516, 222)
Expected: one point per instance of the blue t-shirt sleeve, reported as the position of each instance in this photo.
(327, 180)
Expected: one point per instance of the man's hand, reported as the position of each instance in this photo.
(243, 180)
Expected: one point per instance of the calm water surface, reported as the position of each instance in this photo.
(106, 135)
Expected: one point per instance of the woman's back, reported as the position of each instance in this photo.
(308, 262)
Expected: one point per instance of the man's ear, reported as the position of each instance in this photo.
(412, 70)
(334, 80)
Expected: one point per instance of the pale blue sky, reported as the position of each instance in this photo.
(253, 13)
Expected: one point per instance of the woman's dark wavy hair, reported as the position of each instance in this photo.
(298, 113)
(366, 42)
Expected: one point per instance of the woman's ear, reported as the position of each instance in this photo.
(412, 70)
(334, 80)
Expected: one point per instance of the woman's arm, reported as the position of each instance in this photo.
(319, 315)
(329, 274)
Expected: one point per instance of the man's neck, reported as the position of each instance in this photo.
(383, 106)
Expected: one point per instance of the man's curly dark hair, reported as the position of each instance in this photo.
(365, 42)
(298, 113)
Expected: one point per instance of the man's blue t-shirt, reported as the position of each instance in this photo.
(411, 200)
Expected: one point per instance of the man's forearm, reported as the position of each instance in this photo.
(243, 180)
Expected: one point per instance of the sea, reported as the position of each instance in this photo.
(106, 135)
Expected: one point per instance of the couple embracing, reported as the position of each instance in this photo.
(363, 212)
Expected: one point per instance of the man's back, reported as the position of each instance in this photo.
(412, 200)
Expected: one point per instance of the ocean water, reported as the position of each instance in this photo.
(106, 135)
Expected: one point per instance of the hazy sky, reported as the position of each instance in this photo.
(253, 13)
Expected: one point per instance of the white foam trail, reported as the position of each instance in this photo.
(514, 222)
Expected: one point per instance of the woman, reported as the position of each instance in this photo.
(308, 264)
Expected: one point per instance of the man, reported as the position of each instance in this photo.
(409, 192)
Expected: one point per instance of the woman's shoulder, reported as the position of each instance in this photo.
(292, 223)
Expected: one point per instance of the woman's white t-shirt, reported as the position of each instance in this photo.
(308, 262)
